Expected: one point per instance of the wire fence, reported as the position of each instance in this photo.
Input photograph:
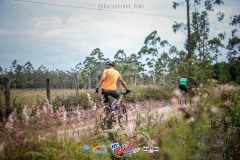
(47, 85)
(88, 82)
(73, 83)
(58, 84)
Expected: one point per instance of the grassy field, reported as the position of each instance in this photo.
(207, 129)
(71, 98)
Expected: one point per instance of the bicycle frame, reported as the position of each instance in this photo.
(109, 102)
(107, 120)
(114, 101)
(185, 96)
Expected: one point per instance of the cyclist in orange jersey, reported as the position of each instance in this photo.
(108, 84)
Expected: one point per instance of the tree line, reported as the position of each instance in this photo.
(156, 62)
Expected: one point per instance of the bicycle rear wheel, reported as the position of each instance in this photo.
(123, 117)
(106, 118)
(183, 99)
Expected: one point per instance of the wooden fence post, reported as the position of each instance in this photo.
(7, 97)
(48, 91)
(1, 115)
(77, 80)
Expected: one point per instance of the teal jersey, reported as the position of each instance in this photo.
(183, 81)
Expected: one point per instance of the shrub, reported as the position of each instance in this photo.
(72, 101)
(150, 92)
(230, 124)
(229, 92)
(224, 78)
(2, 102)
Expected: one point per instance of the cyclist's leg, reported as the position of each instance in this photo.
(106, 118)
(115, 95)
(186, 91)
(119, 111)
(105, 95)
(182, 88)
(187, 96)
(183, 93)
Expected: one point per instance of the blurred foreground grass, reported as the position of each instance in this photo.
(211, 131)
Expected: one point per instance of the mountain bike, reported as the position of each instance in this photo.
(184, 97)
(106, 117)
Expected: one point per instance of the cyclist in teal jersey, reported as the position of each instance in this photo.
(183, 82)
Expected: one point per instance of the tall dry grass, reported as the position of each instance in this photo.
(196, 131)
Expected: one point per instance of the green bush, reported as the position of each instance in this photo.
(71, 101)
(150, 92)
(2, 102)
(201, 76)
(224, 78)
(230, 124)
(238, 79)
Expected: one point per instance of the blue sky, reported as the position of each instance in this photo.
(60, 37)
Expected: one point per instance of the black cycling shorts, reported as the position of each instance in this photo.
(183, 87)
(111, 93)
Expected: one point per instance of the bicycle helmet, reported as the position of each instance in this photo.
(110, 63)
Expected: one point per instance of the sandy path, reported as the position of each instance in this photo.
(88, 122)
(159, 108)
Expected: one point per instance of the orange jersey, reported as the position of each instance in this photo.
(111, 77)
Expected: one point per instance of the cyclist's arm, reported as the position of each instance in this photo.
(123, 84)
(189, 83)
(101, 82)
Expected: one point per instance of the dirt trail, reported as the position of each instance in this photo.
(159, 108)
(87, 123)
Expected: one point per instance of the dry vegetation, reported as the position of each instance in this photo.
(209, 128)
